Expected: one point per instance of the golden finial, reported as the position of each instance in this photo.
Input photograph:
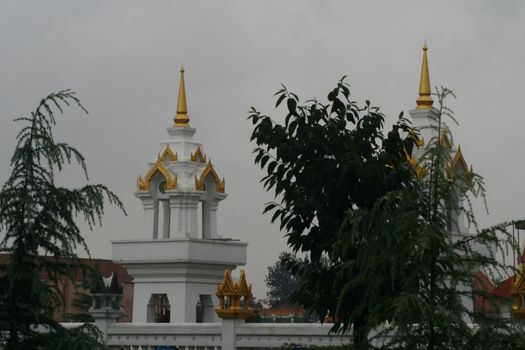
(182, 119)
(424, 101)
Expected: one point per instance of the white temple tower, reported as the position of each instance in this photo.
(181, 258)
(426, 119)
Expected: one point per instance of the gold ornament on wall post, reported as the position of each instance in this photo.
(234, 298)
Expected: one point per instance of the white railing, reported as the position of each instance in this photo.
(148, 336)
(276, 335)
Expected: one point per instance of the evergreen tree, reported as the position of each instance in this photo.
(413, 237)
(280, 281)
(38, 219)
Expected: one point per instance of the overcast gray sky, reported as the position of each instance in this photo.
(123, 58)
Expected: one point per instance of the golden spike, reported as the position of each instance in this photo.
(182, 119)
(424, 101)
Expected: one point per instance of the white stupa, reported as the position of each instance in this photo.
(181, 258)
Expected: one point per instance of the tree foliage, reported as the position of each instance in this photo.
(324, 160)
(385, 248)
(38, 219)
(431, 258)
(280, 281)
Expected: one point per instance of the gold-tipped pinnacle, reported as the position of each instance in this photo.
(181, 118)
(424, 101)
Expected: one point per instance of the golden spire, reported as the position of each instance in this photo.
(424, 101)
(182, 119)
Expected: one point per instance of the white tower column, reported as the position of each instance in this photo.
(175, 222)
(166, 211)
(155, 218)
(183, 212)
(148, 205)
(213, 205)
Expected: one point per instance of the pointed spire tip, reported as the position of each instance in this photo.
(424, 101)
(181, 118)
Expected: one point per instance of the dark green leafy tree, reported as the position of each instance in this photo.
(324, 160)
(38, 220)
(280, 281)
(382, 239)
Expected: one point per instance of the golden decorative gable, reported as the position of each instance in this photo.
(145, 184)
(198, 156)
(226, 287)
(199, 182)
(459, 161)
(242, 286)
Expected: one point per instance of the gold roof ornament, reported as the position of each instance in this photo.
(459, 161)
(168, 153)
(424, 101)
(517, 293)
(198, 156)
(444, 140)
(421, 170)
(181, 118)
(158, 167)
(199, 181)
(420, 143)
(234, 298)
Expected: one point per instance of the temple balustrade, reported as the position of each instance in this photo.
(152, 336)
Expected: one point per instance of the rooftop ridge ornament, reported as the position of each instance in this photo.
(169, 153)
(517, 290)
(198, 156)
(424, 101)
(209, 170)
(459, 160)
(181, 118)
